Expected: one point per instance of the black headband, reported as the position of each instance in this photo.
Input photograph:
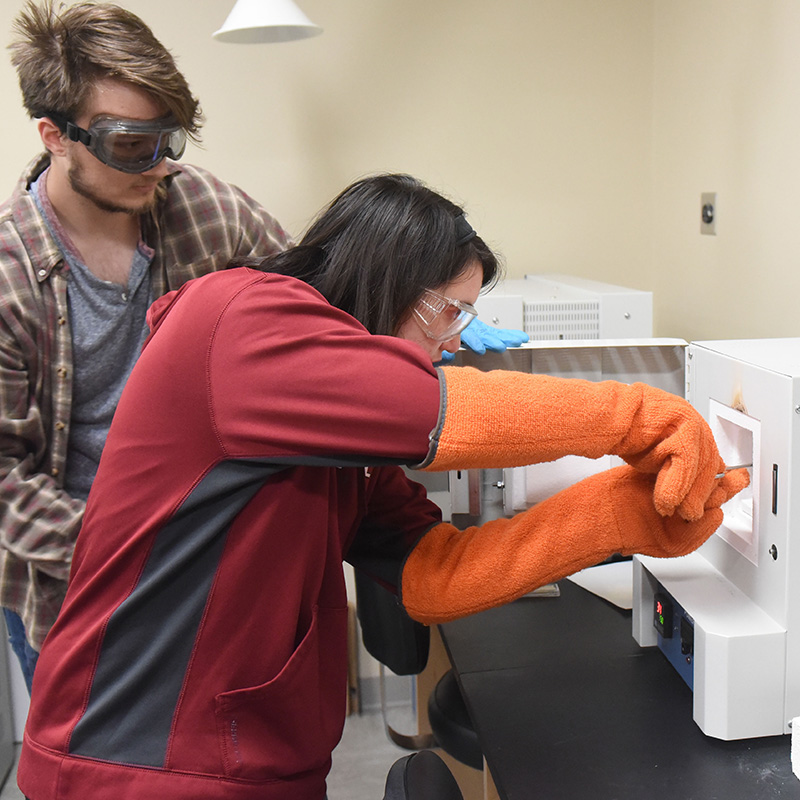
(464, 231)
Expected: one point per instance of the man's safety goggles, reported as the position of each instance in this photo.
(441, 318)
(131, 145)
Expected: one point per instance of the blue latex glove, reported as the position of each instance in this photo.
(480, 337)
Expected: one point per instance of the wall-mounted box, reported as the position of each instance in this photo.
(564, 307)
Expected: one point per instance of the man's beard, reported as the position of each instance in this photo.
(75, 177)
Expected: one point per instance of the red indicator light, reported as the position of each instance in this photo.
(662, 616)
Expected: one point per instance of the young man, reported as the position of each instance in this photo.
(96, 229)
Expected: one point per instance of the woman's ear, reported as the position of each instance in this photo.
(52, 137)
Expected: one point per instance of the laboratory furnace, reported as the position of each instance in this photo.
(728, 616)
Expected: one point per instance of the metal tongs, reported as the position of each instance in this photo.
(732, 468)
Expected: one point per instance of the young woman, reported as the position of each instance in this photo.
(201, 650)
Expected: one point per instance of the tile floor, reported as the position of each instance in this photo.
(10, 790)
(360, 762)
(363, 758)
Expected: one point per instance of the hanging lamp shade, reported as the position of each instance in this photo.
(253, 21)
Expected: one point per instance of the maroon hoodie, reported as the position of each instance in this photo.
(201, 649)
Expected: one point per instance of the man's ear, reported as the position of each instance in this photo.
(52, 138)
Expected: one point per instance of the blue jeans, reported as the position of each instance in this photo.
(19, 644)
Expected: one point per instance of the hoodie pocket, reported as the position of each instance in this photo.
(290, 724)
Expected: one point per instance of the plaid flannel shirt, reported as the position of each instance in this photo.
(198, 225)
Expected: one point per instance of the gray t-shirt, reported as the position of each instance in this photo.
(108, 329)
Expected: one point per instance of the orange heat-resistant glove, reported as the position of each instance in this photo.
(452, 573)
(506, 419)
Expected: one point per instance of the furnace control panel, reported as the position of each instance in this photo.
(675, 629)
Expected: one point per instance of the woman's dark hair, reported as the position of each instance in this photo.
(379, 245)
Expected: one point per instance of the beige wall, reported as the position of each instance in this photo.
(579, 134)
(727, 119)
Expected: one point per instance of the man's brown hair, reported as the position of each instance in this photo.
(59, 53)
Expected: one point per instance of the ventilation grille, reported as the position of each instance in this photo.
(577, 320)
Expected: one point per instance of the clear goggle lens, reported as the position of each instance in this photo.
(131, 146)
(441, 318)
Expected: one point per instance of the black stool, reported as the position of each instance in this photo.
(421, 776)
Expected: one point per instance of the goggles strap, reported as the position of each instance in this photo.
(464, 231)
(76, 134)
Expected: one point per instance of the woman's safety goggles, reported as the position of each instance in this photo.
(441, 318)
(131, 145)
